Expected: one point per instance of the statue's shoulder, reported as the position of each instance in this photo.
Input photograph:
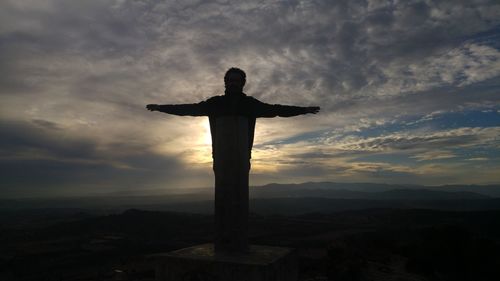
(251, 99)
(245, 96)
(215, 99)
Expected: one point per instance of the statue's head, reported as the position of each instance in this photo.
(234, 80)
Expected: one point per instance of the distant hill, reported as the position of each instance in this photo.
(303, 205)
(342, 196)
(360, 190)
(425, 194)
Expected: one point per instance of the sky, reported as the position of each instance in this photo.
(409, 92)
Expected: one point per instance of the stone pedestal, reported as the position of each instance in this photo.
(231, 168)
(260, 263)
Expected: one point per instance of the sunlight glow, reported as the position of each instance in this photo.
(207, 137)
(200, 152)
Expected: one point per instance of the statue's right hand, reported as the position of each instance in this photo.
(153, 107)
(313, 109)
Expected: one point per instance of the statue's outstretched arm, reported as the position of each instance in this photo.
(262, 109)
(192, 109)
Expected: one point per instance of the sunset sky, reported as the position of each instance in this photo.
(409, 91)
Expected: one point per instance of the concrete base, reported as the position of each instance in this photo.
(261, 263)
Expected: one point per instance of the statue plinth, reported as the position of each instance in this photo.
(202, 262)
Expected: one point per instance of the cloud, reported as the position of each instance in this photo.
(398, 157)
(434, 155)
(478, 159)
(40, 158)
(77, 76)
(456, 138)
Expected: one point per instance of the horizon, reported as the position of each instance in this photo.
(202, 190)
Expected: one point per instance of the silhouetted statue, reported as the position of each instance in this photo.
(232, 123)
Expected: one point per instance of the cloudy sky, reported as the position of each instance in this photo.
(409, 91)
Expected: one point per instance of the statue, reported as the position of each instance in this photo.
(232, 120)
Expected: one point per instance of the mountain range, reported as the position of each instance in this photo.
(291, 198)
(375, 191)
